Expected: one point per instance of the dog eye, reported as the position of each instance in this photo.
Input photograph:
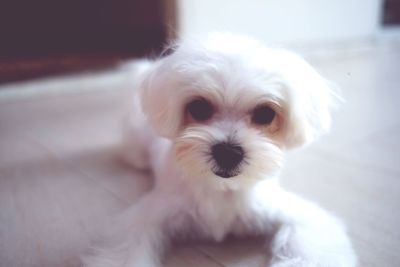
(263, 115)
(200, 109)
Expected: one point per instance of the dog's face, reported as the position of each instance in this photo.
(232, 106)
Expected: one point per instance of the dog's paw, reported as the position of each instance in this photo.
(296, 262)
(99, 260)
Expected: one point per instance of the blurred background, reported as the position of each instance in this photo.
(67, 70)
(50, 37)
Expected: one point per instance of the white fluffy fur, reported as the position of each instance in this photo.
(236, 74)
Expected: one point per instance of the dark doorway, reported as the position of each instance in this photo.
(391, 12)
(54, 36)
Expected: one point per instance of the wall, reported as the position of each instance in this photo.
(283, 21)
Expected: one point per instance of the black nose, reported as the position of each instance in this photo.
(227, 155)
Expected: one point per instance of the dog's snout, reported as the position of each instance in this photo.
(227, 155)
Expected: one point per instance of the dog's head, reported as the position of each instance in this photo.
(231, 106)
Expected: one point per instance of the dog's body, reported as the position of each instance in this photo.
(217, 117)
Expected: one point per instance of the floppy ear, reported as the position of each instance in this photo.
(160, 100)
(310, 99)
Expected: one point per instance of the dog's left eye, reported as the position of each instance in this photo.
(263, 115)
(200, 109)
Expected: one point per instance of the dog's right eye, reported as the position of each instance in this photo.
(200, 109)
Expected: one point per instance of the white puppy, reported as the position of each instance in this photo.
(218, 115)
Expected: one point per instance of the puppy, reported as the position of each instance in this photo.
(212, 121)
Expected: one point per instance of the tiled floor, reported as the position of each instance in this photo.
(60, 175)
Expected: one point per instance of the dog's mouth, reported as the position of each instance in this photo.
(226, 173)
